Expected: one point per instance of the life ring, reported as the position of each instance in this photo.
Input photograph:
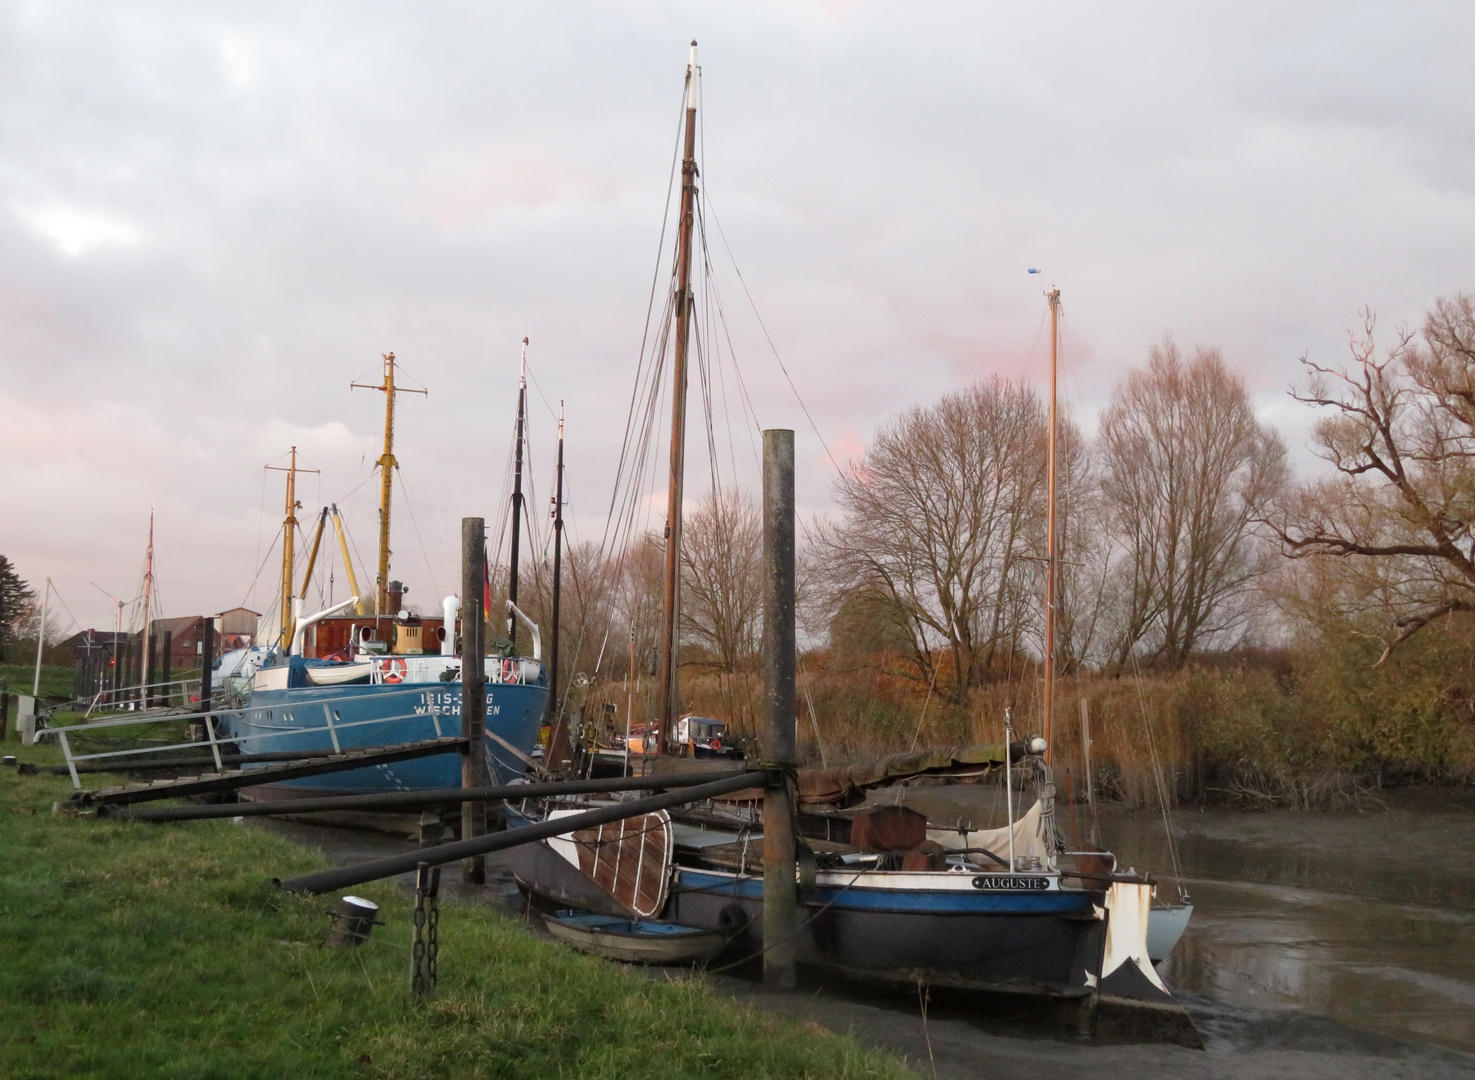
(393, 670)
(509, 671)
(716, 744)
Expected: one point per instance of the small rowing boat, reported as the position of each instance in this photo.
(635, 941)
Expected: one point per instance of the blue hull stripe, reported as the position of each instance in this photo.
(939, 902)
(368, 716)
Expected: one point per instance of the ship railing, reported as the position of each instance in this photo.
(124, 697)
(333, 725)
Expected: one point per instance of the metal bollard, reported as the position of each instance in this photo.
(425, 946)
(353, 921)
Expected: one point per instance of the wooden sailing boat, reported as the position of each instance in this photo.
(905, 913)
(1166, 920)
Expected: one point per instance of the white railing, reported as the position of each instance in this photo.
(331, 726)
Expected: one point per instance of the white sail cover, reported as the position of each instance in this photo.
(1028, 843)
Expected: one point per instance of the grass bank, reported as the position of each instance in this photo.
(145, 951)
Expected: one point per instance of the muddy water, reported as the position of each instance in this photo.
(1321, 945)
(1366, 919)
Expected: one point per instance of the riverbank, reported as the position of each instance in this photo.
(134, 950)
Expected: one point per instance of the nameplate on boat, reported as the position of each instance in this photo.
(1011, 882)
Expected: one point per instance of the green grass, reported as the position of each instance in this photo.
(56, 680)
(133, 950)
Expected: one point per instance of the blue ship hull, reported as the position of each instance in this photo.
(366, 716)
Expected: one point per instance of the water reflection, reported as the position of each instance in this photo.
(1368, 920)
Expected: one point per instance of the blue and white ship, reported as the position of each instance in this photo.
(294, 703)
(357, 676)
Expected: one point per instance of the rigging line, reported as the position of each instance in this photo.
(57, 593)
(424, 554)
(769, 337)
(721, 376)
(651, 302)
(1157, 776)
(732, 348)
(252, 587)
(538, 387)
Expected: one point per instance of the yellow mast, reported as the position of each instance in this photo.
(289, 547)
(387, 465)
(312, 554)
(353, 581)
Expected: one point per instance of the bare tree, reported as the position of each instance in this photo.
(1401, 437)
(1188, 470)
(721, 578)
(941, 518)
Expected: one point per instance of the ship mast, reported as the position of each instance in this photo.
(1051, 546)
(522, 404)
(558, 738)
(289, 549)
(670, 601)
(387, 465)
(148, 595)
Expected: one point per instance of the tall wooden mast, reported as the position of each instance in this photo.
(148, 597)
(1052, 549)
(671, 601)
(387, 465)
(522, 408)
(558, 737)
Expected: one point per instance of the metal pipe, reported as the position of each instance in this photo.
(41, 639)
(376, 869)
(779, 736)
(398, 800)
(28, 768)
(196, 785)
(299, 635)
(533, 631)
(473, 684)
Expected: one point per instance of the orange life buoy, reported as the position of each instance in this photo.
(393, 670)
(509, 671)
(716, 744)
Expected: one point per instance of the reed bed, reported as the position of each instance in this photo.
(1322, 735)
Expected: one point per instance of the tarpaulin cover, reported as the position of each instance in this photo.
(846, 785)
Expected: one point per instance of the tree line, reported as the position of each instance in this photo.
(1182, 534)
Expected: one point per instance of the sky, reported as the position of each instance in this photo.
(214, 217)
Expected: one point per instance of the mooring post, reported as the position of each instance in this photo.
(150, 698)
(207, 660)
(166, 667)
(1086, 768)
(779, 736)
(473, 687)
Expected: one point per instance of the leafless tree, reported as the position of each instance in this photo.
(941, 518)
(1401, 436)
(1188, 470)
(721, 578)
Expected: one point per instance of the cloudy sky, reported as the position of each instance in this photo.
(214, 217)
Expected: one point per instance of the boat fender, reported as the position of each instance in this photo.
(808, 869)
(733, 920)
